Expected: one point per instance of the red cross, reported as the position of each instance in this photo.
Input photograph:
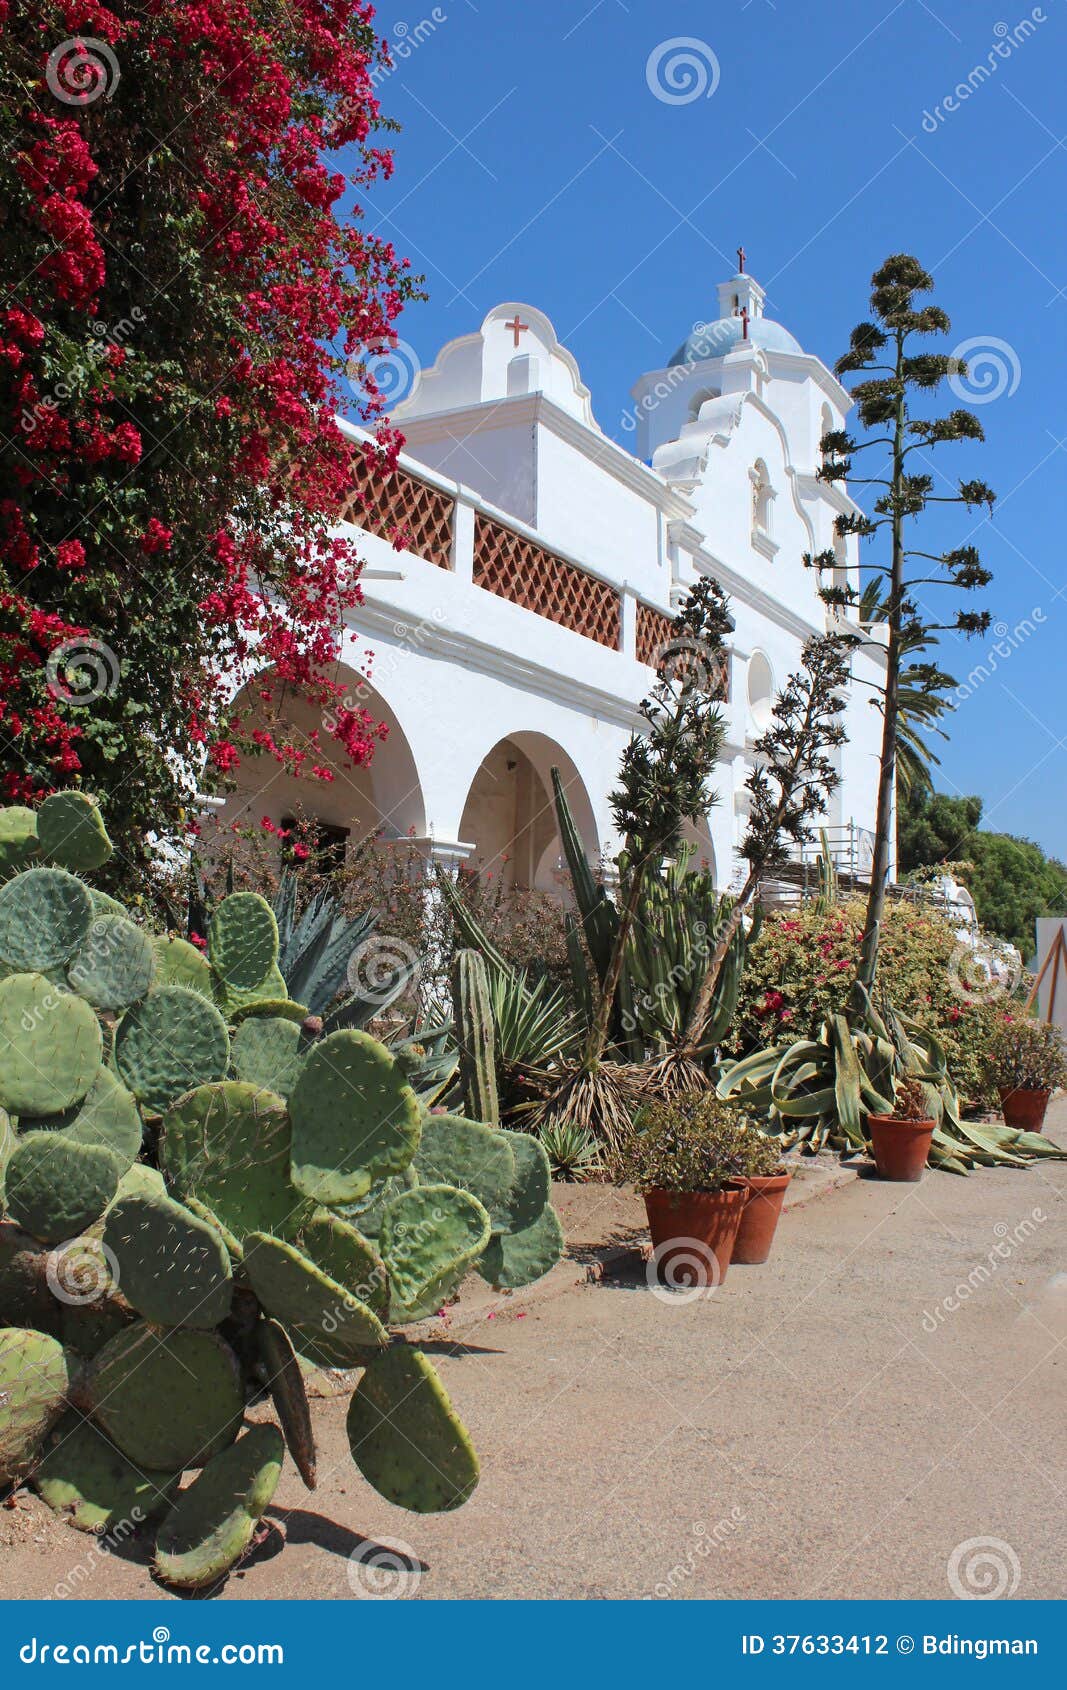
(744, 322)
(517, 327)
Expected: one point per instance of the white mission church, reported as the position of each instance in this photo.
(516, 628)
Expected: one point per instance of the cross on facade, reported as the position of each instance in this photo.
(744, 322)
(517, 327)
(741, 256)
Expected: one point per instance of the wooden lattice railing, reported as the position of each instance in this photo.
(515, 568)
(410, 514)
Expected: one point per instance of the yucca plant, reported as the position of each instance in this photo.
(572, 1151)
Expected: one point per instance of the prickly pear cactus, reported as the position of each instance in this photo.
(206, 1192)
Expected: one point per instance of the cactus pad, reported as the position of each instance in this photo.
(169, 1400)
(453, 1151)
(50, 1046)
(346, 1257)
(366, 1215)
(518, 1258)
(285, 1008)
(203, 1213)
(72, 832)
(268, 1051)
(234, 1002)
(530, 1192)
(228, 1145)
(212, 1523)
(107, 1116)
(54, 1188)
(355, 1119)
(429, 1236)
(18, 839)
(178, 963)
(285, 1382)
(171, 1041)
(88, 1482)
(243, 941)
(44, 917)
(172, 1267)
(35, 1379)
(115, 966)
(406, 1438)
(330, 1326)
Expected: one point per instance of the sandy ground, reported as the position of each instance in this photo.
(842, 1422)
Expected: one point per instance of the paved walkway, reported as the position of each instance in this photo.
(838, 1423)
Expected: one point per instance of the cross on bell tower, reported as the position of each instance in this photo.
(742, 296)
(741, 256)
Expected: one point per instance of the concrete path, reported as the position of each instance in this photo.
(843, 1422)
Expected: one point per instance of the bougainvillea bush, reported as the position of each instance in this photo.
(185, 273)
(802, 965)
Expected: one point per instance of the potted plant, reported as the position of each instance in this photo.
(901, 1141)
(1027, 1063)
(763, 1210)
(691, 1159)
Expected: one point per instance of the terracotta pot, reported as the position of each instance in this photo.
(900, 1147)
(1024, 1109)
(759, 1219)
(693, 1233)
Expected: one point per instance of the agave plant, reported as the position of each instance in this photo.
(204, 1194)
(817, 1092)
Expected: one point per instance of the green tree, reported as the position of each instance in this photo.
(1011, 880)
(923, 696)
(884, 351)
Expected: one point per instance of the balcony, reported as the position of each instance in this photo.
(454, 530)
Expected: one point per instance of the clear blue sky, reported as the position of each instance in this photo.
(536, 163)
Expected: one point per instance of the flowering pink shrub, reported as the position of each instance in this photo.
(802, 965)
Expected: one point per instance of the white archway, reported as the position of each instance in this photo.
(384, 796)
(509, 815)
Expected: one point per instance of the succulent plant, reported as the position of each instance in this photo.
(206, 1191)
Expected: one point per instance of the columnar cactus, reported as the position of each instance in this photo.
(205, 1193)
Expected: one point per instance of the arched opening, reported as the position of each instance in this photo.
(384, 797)
(510, 819)
(760, 692)
(762, 502)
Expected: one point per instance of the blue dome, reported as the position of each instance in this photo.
(714, 340)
